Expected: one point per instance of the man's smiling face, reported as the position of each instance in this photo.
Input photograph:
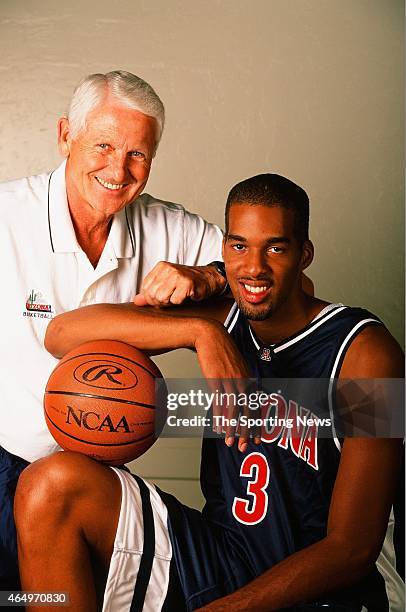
(263, 258)
(108, 162)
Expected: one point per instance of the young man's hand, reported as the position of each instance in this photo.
(170, 283)
(227, 373)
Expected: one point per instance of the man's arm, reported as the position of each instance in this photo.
(170, 283)
(359, 510)
(154, 331)
(192, 277)
(198, 327)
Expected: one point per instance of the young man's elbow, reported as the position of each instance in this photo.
(365, 558)
(358, 557)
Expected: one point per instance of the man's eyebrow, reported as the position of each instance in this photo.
(278, 239)
(236, 237)
(273, 240)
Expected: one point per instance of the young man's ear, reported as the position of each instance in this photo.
(307, 254)
(64, 139)
(307, 258)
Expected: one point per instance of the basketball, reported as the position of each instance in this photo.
(101, 400)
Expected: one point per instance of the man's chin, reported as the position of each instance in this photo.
(255, 313)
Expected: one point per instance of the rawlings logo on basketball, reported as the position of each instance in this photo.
(104, 374)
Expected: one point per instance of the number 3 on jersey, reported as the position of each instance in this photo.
(252, 511)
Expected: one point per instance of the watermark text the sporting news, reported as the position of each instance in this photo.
(270, 408)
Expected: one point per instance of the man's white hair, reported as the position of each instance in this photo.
(129, 89)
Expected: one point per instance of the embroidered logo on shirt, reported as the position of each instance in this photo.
(36, 306)
(266, 354)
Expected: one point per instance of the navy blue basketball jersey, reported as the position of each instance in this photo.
(274, 499)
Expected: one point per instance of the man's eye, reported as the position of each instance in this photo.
(136, 154)
(276, 249)
(103, 145)
(238, 247)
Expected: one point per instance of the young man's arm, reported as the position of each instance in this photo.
(170, 283)
(359, 510)
(154, 331)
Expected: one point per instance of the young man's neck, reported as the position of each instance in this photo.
(289, 319)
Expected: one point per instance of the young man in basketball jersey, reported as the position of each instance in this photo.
(291, 520)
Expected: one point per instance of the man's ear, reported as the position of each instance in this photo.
(307, 254)
(64, 139)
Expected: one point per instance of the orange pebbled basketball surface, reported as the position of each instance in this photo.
(101, 400)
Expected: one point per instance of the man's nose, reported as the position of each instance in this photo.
(256, 263)
(118, 167)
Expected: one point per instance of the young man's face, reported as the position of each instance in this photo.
(263, 259)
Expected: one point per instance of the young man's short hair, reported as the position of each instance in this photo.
(273, 190)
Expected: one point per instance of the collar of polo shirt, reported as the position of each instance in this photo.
(61, 231)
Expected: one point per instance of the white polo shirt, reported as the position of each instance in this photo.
(45, 272)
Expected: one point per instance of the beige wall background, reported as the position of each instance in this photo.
(312, 89)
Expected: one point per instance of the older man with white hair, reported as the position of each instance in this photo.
(83, 234)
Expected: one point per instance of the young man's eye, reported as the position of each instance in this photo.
(276, 249)
(238, 247)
